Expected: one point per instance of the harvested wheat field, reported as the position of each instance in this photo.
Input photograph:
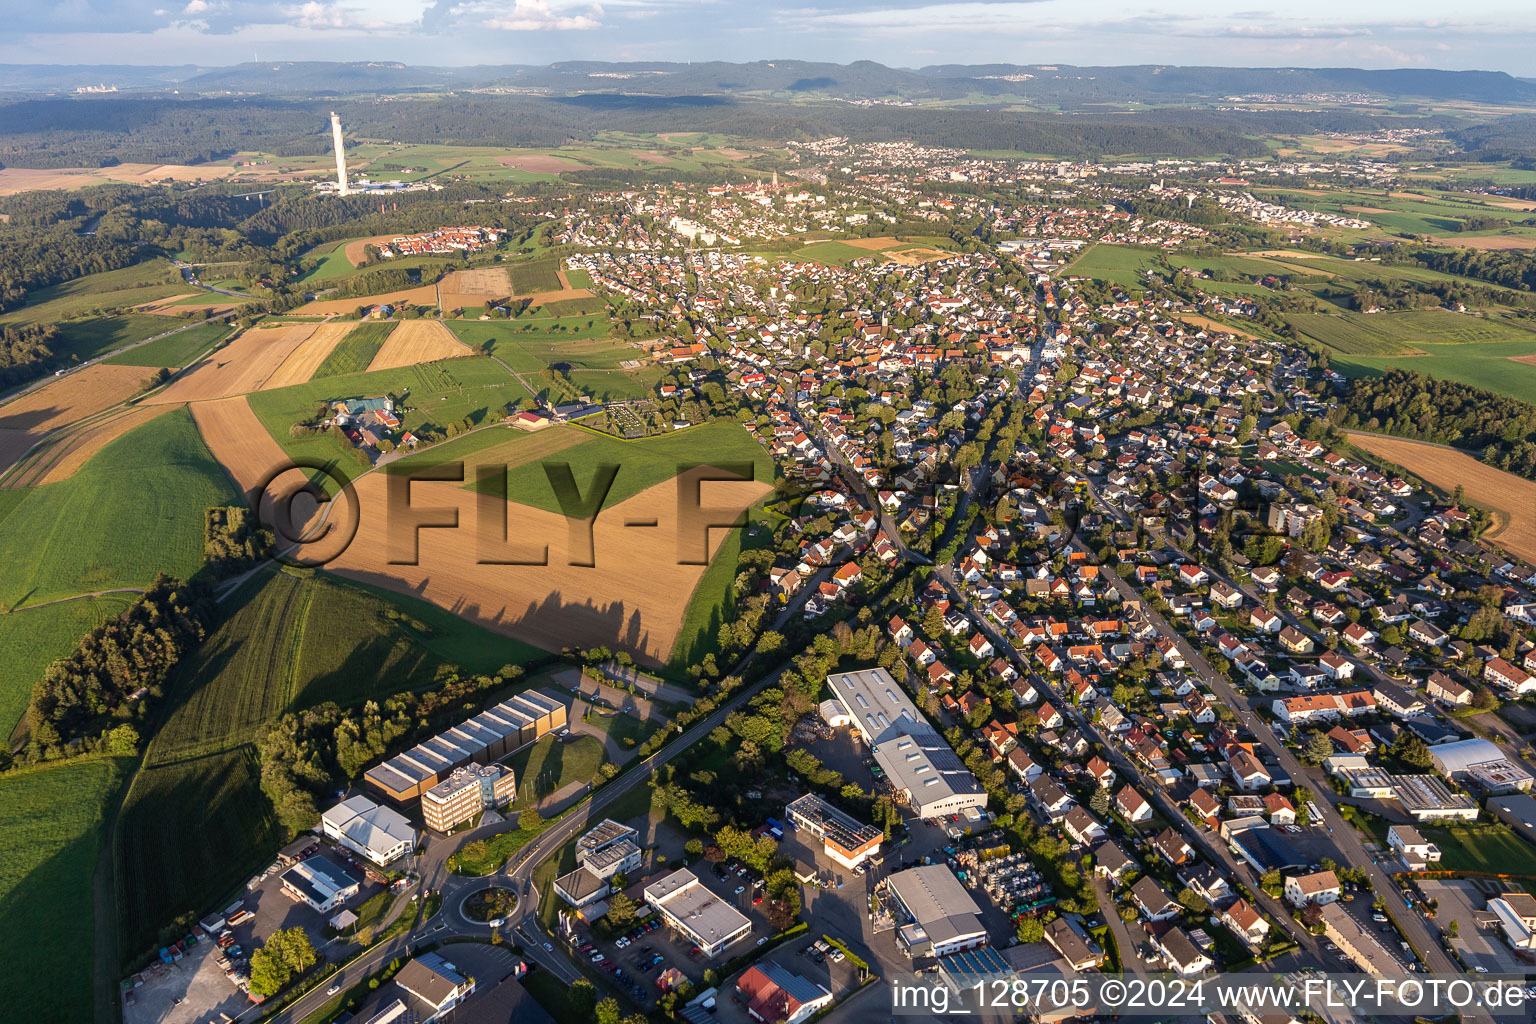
(540, 298)
(914, 257)
(632, 597)
(1490, 242)
(539, 164)
(426, 295)
(239, 368)
(69, 399)
(174, 306)
(1513, 496)
(1205, 323)
(303, 361)
(488, 282)
(872, 244)
(418, 341)
(649, 156)
(70, 449)
(238, 440)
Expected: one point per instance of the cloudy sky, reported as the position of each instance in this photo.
(1484, 34)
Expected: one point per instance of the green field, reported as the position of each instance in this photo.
(833, 254)
(1117, 264)
(188, 836)
(641, 463)
(579, 346)
(178, 350)
(332, 262)
(355, 351)
(135, 509)
(550, 765)
(626, 730)
(1491, 366)
(34, 638)
(714, 598)
(438, 394)
(293, 643)
(579, 278)
(51, 821)
(534, 276)
(111, 289)
(1383, 334)
(1488, 848)
(1445, 213)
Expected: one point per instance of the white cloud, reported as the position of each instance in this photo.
(197, 7)
(540, 15)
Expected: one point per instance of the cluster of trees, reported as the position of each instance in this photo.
(25, 351)
(305, 755)
(1413, 405)
(285, 955)
(233, 539)
(1507, 268)
(101, 681)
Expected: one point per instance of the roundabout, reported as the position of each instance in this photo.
(490, 906)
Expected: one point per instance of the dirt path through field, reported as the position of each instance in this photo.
(418, 341)
(1512, 495)
(68, 453)
(70, 399)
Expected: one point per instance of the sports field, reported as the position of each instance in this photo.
(51, 822)
(135, 509)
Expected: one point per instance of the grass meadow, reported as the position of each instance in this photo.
(110, 289)
(34, 638)
(1117, 264)
(180, 349)
(51, 822)
(135, 509)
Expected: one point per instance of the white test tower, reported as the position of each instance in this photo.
(341, 155)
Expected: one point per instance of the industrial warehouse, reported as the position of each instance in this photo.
(923, 768)
(489, 736)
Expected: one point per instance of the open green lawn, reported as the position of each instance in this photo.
(331, 262)
(1489, 848)
(1117, 264)
(641, 463)
(355, 351)
(180, 349)
(111, 289)
(534, 276)
(626, 730)
(551, 764)
(188, 837)
(51, 821)
(579, 278)
(34, 638)
(833, 253)
(292, 643)
(135, 509)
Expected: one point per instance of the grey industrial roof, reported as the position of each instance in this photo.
(705, 914)
(937, 901)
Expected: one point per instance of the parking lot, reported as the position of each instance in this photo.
(649, 949)
(1460, 901)
(195, 988)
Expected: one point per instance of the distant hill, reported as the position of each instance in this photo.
(1049, 85)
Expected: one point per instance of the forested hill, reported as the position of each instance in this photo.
(1059, 84)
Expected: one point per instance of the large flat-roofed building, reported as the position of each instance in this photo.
(320, 882)
(1518, 811)
(609, 849)
(1480, 762)
(1424, 797)
(1357, 943)
(914, 757)
(942, 916)
(698, 914)
(489, 736)
(471, 788)
(362, 826)
(844, 838)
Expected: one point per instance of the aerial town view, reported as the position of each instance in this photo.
(531, 511)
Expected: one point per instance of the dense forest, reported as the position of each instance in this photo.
(81, 694)
(1412, 405)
